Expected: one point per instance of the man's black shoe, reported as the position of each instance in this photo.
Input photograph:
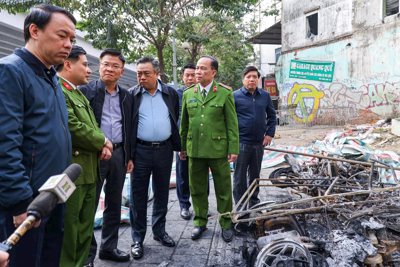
(137, 250)
(185, 214)
(227, 235)
(165, 239)
(113, 255)
(198, 231)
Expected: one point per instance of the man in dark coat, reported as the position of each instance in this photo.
(155, 138)
(34, 139)
(112, 107)
(182, 170)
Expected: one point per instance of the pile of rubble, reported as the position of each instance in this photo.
(333, 212)
(379, 135)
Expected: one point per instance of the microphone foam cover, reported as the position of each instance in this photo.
(73, 171)
(44, 203)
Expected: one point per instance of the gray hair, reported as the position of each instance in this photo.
(152, 60)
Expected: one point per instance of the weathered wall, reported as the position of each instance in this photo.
(367, 66)
(334, 19)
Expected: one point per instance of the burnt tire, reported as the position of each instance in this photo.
(283, 173)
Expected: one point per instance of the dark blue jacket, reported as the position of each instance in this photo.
(256, 115)
(171, 99)
(95, 93)
(180, 95)
(34, 139)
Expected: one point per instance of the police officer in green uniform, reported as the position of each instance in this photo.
(210, 139)
(87, 143)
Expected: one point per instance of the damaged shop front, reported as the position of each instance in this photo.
(332, 212)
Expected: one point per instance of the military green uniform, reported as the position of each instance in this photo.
(87, 142)
(209, 132)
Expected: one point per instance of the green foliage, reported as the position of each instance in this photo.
(15, 6)
(272, 9)
(218, 35)
(22, 6)
(234, 8)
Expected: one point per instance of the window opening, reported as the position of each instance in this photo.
(391, 7)
(312, 25)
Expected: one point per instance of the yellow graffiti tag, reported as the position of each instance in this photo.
(297, 96)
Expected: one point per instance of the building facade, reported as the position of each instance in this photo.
(339, 55)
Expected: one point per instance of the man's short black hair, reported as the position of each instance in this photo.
(40, 15)
(188, 66)
(249, 69)
(113, 52)
(76, 51)
(214, 62)
(152, 60)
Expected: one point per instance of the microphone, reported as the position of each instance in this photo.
(57, 189)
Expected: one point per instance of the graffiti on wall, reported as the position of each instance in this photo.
(339, 95)
(306, 100)
(381, 94)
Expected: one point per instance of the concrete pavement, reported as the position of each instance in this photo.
(210, 250)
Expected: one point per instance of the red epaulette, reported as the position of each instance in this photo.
(67, 86)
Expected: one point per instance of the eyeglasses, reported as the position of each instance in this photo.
(111, 66)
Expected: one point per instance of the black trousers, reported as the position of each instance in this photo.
(248, 168)
(182, 182)
(112, 173)
(155, 162)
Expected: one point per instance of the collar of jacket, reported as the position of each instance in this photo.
(246, 92)
(138, 89)
(36, 65)
(67, 84)
(102, 85)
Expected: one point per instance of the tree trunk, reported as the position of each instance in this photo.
(160, 55)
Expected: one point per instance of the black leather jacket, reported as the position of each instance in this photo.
(95, 93)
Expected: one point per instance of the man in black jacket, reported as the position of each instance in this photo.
(257, 121)
(34, 139)
(112, 106)
(155, 137)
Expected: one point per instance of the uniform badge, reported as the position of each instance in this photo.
(215, 89)
(67, 86)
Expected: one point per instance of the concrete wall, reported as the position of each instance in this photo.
(334, 20)
(366, 52)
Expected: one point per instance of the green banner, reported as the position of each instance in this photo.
(312, 70)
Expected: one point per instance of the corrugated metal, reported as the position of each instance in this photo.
(12, 37)
(272, 35)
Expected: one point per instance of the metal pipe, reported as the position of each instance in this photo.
(331, 158)
(328, 197)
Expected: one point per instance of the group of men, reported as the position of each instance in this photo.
(51, 116)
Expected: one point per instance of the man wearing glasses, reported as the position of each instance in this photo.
(112, 107)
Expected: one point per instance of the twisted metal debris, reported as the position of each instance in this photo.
(335, 212)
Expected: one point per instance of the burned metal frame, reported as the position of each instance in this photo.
(272, 210)
(284, 209)
(328, 204)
